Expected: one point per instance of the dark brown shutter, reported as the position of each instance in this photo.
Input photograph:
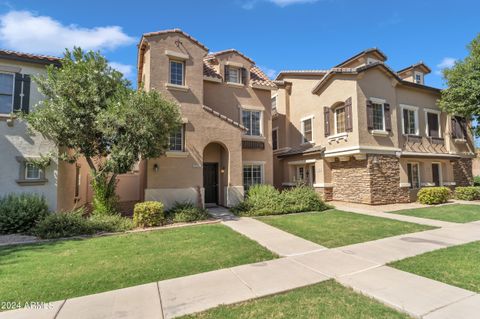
(369, 115)
(348, 114)
(462, 127)
(17, 97)
(453, 123)
(244, 76)
(226, 73)
(326, 120)
(388, 119)
(26, 93)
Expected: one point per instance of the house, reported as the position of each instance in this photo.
(362, 132)
(18, 92)
(224, 145)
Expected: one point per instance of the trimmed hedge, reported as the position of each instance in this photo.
(467, 193)
(186, 212)
(264, 200)
(149, 214)
(433, 195)
(19, 213)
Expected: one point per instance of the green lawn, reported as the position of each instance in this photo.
(457, 213)
(334, 228)
(65, 269)
(457, 266)
(324, 300)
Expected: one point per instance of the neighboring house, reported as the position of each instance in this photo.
(18, 92)
(362, 132)
(224, 145)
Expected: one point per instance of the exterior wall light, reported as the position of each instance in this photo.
(155, 167)
(222, 170)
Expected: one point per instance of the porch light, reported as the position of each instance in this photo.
(222, 170)
(155, 167)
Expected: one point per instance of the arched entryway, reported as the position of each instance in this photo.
(215, 173)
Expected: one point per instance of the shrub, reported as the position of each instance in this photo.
(148, 214)
(105, 199)
(241, 208)
(301, 199)
(110, 223)
(433, 195)
(476, 180)
(467, 193)
(187, 212)
(19, 213)
(65, 224)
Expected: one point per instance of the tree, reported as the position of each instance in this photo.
(90, 110)
(462, 96)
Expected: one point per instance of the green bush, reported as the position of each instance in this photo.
(65, 224)
(301, 199)
(148, 214)
(186, 212)
(433, 195)
(19, 213)
(467, 193)
(266, 200)
(476, 180)
(110, 223)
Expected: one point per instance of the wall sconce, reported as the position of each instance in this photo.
(222, 170)
(155, 167)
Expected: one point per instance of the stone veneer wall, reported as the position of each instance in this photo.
(462, 172)
(362, 181)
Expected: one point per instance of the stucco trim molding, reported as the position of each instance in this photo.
(301, 162)
(436, 155)
(359, 149)
(262, 87)
(10, 69)
(212, 79)
(176, 87)
(176, 55)
(176, 154)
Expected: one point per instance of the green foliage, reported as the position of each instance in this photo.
(105, 199)
(148, 214)
(264, 200)
(462, 95)
(90, 108)
(476, 180)
(74, 223)
(19, 213)
(467, 193)
(433, 195)
(186, 212)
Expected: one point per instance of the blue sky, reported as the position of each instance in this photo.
(277, 34)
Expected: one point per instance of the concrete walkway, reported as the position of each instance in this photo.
(360, 266)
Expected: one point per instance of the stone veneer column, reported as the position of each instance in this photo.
(385, 180)
(462, 172)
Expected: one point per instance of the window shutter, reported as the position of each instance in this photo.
(462, 127)
(453, 123)
(388, 119)
(244, 76)
(17, 98)
(348, 114)
(227, 71)
(26, 93)
(326, 120)
(369, 115)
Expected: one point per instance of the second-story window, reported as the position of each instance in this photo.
(378, 117)
(252, 121)
(433, 124)
(307, 131)
(340, 120)
(409, 122)
(177, 72)
(418, 77)
(176, 141)
(6, 93)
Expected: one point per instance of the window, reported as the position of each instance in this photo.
(378, 117)
(418, 77)
(252, 175)
(307, 131)
(413, 171)
(234, 75)
(6, 93)
(275, 138)
(300, 173)
(409, 122)
(251, 120)
(177, 72)
(274, 103)
(433, 124)
(32, 171)
(340, 120)
(77, 181)
(176, 140)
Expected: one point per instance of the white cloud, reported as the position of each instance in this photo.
(446, 63)
(28, 32)
(126, 69)
(271, 73)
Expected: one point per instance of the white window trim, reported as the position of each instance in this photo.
(411, 108)
(419, 174)
(239, 70)
(302, 129)
(440, 175)
(13, 90)
(262, 169)
(297, 173)
(382, 102)
(182, 131)
(254, 109)
(438, 112)
(184, 83)
(276, 130)
(415, 77)
(335, 121)
(32, 178)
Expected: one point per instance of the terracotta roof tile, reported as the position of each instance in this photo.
(36, 58)
(258, 77)
(176, 31)
(213, 54)
(209, 70)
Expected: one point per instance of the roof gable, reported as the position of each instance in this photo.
(377, 53)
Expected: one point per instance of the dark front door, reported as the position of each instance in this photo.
(210, 182)
(436, 173)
